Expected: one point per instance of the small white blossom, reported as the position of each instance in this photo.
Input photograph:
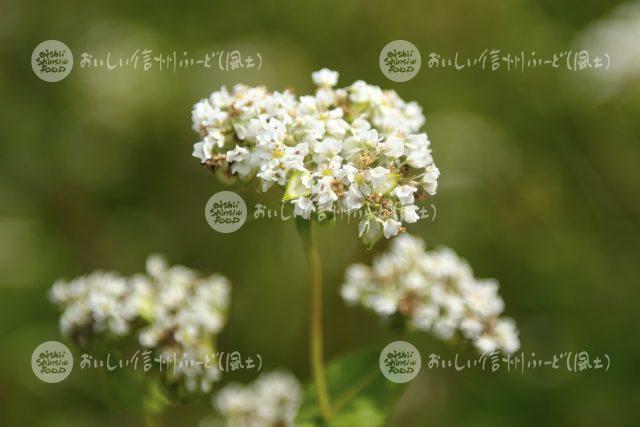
(303, 207)
(404, 193)
(430, 179)
(409, 214)
(391, 227)
(354, 199)
(392, 146)
(325, 77)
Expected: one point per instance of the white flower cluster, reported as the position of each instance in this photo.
(434, 291)
(270, 401)
(169, 309)
(340, 150)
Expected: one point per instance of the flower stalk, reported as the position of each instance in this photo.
(316, 346)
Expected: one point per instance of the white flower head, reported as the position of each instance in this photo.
(355, 149)
(271, 400)
(325, 77)
(433, 291)
(170, 309)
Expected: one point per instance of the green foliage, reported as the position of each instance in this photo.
(360, 395)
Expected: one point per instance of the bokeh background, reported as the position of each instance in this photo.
(539, 188)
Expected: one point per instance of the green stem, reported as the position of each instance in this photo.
(307, 234)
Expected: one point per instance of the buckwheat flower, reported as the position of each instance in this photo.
(429, 180)
(362, 93)
(356, 149)
(419, 154)
(404, 193)
(391, 227)
(409, 214)
(354, 199)
(99, 303)
(242, 162)
(392, 146)
(334, 123)
(363, 140)
(272, 400)
(207, 118)
(187, 314)
(326, 149)
(433, 291)
(170, 309)
(325, 77)
(357, 277)
(303, 207)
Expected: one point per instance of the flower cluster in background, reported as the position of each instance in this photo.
(352, 149)
(434, 291)
(270, 401)
(169, 309)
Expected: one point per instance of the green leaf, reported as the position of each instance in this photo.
(360, 395)
(295, 189)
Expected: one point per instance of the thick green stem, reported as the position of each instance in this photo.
(306, 231)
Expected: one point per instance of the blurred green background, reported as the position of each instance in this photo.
(539, 189)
